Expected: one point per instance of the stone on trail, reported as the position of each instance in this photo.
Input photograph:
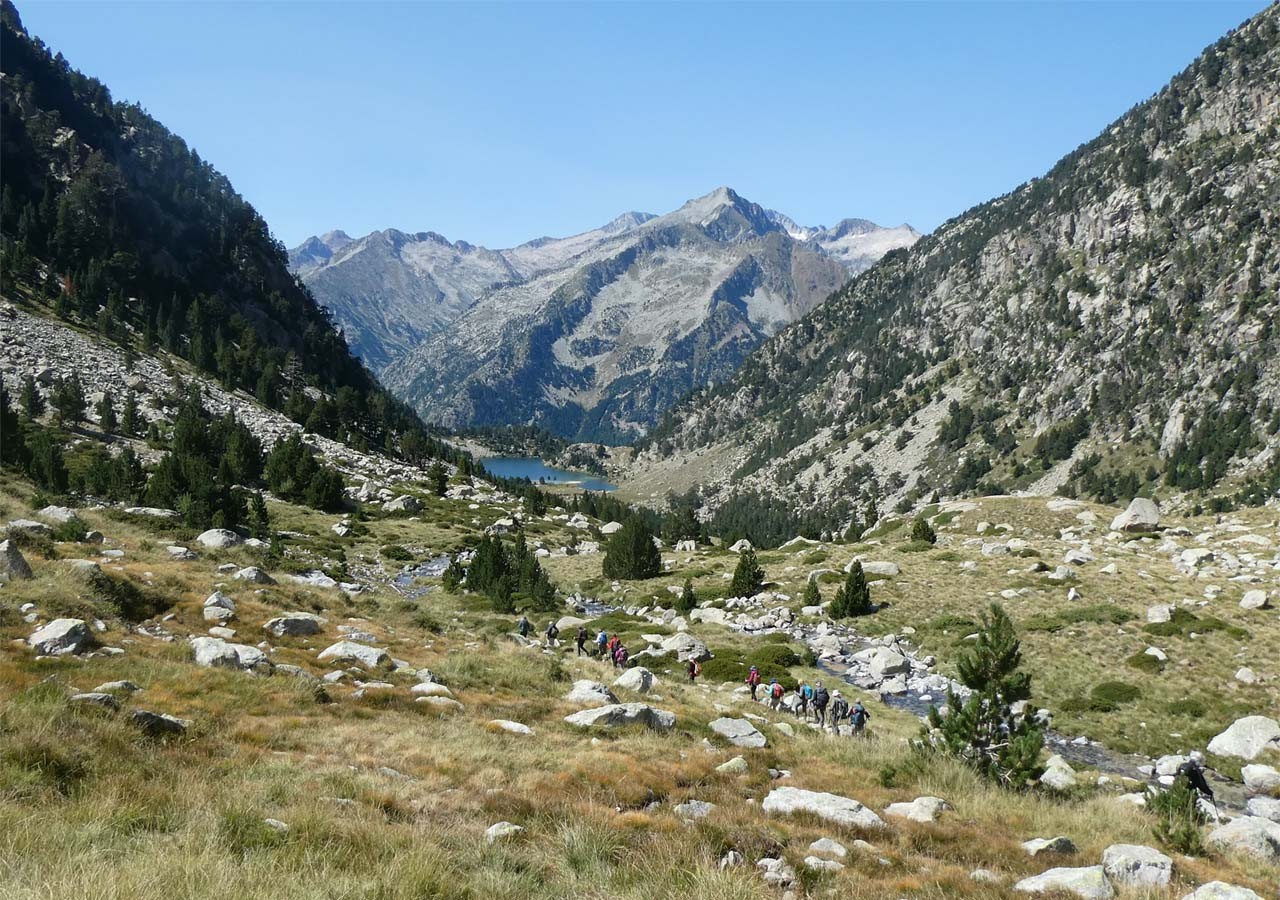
(739, 732)
(831, 807)
(347, 653)
(623, 714)
(735, 766)
(1261, 779)
(638, 679)
(60, 637)
(12, 563)
(1246, 738)
(501, 831)
(921, 809)
(1137, 866)
(158, 724)
(586, 692)
(1058, 774)
(1251, 835)
(510, 727)
(1089, 882)
(1220, 890)
(295, 624)
(686, 647)
(1060, 844)
(1264, 808)
(1141, 515)
(218, 538)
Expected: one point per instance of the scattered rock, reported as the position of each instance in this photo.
(1089, 882)
(776, 871)
(692, 810)
(158, 724)
(1252, 835)
(1137, 866)
(735, 766)
(831, 807)
(1246, 738)
(1220, 890)
(590, 693)
(1060, 844)
(253, 575)
(1261, 779)
(403, 503)
(61, 637)
(638, 679)
(740, 546)
(441, 704)
(828, 847)
(500, 831)
(349, 653)
(1058, 774)
(510, 727)
(431, 689)
(1264, 808)
(623, 714)
(215, 652)
(1141, 515)
(295, 624)
(739, 732)
(818, 864)
(12, 563)
(921, 809)
(218, 539)
(99, 699)
(1254, 600)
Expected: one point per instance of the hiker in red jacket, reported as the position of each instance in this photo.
(753, 681)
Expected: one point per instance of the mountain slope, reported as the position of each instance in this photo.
(593, 335)
(1105, 329)
(597, 350)
(111, 221)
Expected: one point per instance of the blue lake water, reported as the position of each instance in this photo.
(536, 470)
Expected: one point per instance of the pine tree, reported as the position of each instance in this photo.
(107, 413)
(69, 401)
(259, 519)
(438, 478)
(632, 553)
(983, 730)
(688, 599)
(130, 421)
(870, 516)
(854, 596)
(748, 577)
(812, 593)
(31, 399)
(922, 532)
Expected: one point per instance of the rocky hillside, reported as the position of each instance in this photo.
(1107, 329)
(591, 336)
(110, 221)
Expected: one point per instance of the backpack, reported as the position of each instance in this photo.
(860, 715)
(839, 709)
(552, 631)
(697, 668)
(820, 697)
(806, 692)
(776, 693)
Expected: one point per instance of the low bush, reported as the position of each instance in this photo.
(1183, 622)
(1145, 662)
(71, 531)
(771, 660)
(396, 552)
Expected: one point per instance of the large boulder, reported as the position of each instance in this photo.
(686, 647)
(1058, 774)
(59, 515)
(638, 679)
(586, 692)
(1220, 890)
(218, 539)
(403, 503)
(1089, 882)
(739, 732)
(831, 807)
(28, 526)
(921, 809)
(1251, 835)
(158, 724)
(61, 637)
(1254, 599)
(885, 663)
(1246, 738)
(12, 563)
(1264, 808)
(1137, 866)
(294, 624)
(1261, 779)
(215, 652)
(623, 714)
(1141, 515)
(253, 575)
(876, 567)
(349, 653)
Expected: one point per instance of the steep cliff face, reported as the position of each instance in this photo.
(1107, 328)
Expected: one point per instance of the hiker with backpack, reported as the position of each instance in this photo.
(839, 710)
(620, 656)
(820, 700)
(858, 718)
(753, 681)
(553, 634)
(801, 707)
(580, 642)
(601, 640)
(775, 695)
(694, 669)
(806, 690)
(522, 626)
(1194, 773)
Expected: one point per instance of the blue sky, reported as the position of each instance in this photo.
(500, 123)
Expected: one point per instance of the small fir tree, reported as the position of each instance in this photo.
(259, 519)
(632, 553)
(983, 730)
(69, 401)
(688, 599)
(812, 593)
(106, 410)
(854, 596)
(130, 420)
(438, 478)
(922, 532)
(32, 400)
(748, 577)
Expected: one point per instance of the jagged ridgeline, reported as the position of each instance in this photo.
(1108, 329)
(112, 221)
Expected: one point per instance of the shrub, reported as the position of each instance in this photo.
(1105, 697)
(396, 552)
(748, 577)
(922, 532)
(772, 661)
(1178, 817)
(1145, 662)
(687, 599)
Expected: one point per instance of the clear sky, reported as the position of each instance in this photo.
(500, 123)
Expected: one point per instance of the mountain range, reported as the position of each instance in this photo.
(592, 336)
(1107, 329)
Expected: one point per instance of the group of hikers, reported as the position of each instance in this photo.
(813, 700)
(809, 700)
